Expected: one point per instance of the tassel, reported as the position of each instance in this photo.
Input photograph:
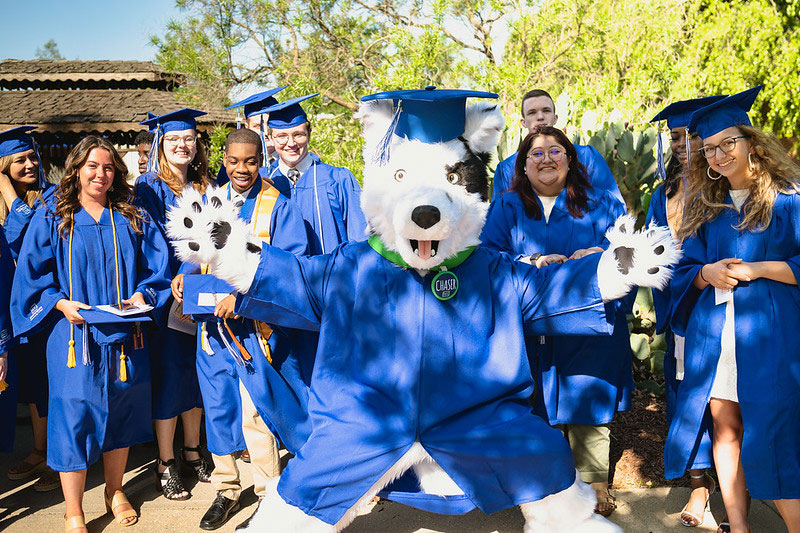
(3, 385)
(85, 333)
(661, 170)
(264, 332)
(204, 344)
(381, 156)
(245, 354)
(152, 157)
(71, 355)
(236, 357)
(263, 141)
(42, 178)
(238, 120)
(123, 368)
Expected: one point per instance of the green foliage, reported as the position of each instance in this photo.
(647, 347)
(216, 148)
(49, 51)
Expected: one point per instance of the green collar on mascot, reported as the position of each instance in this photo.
(377, 244)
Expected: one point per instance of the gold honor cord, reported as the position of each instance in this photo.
(123, 371)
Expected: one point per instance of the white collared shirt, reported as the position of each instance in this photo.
(301, 167)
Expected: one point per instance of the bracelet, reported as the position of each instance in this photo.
(701, 274)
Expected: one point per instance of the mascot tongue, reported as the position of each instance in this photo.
(424, 249)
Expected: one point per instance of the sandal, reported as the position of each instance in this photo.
(25, 468)
(245, 456)
(119, 499)
(725, 526)
(74, 522)
(199, 467)
(169, 482)
(606, 500)
(689, 519)
(49, 480)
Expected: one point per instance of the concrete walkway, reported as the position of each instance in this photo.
(23, 510)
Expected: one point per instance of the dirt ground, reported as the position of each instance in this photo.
(637, 444)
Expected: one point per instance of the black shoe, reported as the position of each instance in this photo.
(219, 512)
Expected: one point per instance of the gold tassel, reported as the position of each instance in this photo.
(71, 357)
(3, 385)
(123, 369)
(264, 333)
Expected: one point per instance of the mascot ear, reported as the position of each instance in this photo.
(483, 126)
(376, 117)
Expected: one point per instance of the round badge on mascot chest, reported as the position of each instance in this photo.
(444, 285)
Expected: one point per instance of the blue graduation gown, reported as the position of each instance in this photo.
(395, 365)
(91, 409)
(580, 379)
(702, 456)
(600, 175)
(330, 200)
(278, 391)
(767, 355)
(8, 397)
(29, 351)
(172, 353)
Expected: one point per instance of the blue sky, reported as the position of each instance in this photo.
(84, 29)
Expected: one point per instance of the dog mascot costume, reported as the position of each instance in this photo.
(421, 382)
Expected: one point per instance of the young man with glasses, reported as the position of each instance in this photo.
(539, 109)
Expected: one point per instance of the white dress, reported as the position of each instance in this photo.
(724, 387)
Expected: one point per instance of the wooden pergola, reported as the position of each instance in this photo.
(67, 100)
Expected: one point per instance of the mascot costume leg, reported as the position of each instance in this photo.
(421, 384)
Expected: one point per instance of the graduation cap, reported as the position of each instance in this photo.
(428, 115)
(724, 113)
(18, 140)
(678, 114)
(288, 114)
(255, 104)
(182, 119)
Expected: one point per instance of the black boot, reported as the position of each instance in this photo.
(219, 512)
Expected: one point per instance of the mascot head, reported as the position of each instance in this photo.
(425, 175)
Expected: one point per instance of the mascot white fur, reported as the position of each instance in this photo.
(421, 370)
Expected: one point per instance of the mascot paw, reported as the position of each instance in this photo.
(211, 232)
(568, 511)
(274, 514)
(634, 258)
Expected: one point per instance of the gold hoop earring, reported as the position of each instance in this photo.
(712, 178)
(750, 161)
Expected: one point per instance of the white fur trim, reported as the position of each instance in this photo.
(434, 480)
(568, 511)
(274, 514)
(483, 126)
(649, 268)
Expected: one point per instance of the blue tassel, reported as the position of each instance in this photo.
(265, 163)
(152, 158)
(42, 178)
(688, 160)
(238, 120)
(237, 357)
(381, 156)
(661, 169)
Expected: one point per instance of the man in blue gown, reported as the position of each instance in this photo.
(539, 109)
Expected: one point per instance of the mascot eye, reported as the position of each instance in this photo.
(399, 174)
(453, 177)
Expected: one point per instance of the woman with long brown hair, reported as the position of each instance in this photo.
(23, 188)
(93, 248)
(178, 159)
(551, 215)
(734, 287)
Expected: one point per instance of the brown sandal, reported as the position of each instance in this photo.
(49, 480)
(606, 500)
(25, 469)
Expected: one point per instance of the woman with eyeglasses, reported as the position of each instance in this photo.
(735, 300)
(551, 215)
(666, 209)
(178, 160)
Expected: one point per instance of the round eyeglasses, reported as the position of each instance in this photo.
(555, 154)
(710, 150)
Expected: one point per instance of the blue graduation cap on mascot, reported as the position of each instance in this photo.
(182, 119)
(288, 114)
(429, 115)
(724, 113)
(253, 105)
(18, 140)
(678, 114)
